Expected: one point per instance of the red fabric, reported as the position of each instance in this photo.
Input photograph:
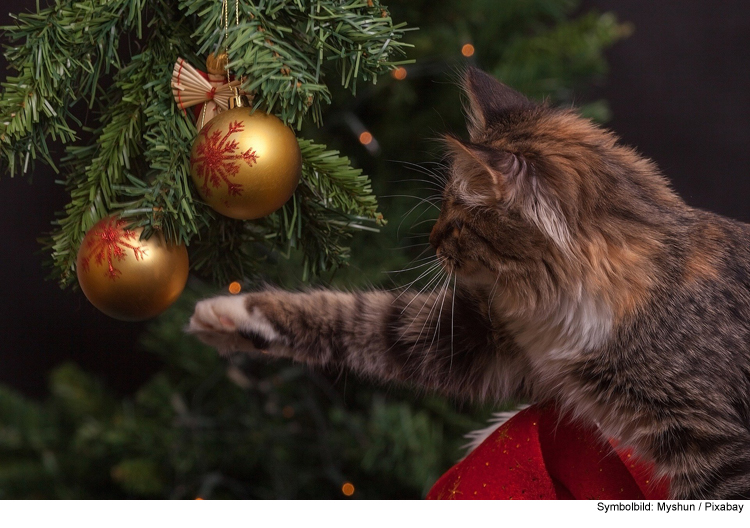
(536, 455)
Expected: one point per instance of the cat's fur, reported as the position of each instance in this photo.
(579, 276)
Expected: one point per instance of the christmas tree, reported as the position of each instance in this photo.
(203, 427)
(135, 160)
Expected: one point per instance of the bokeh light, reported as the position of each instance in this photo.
(399, 73)
(467, 50)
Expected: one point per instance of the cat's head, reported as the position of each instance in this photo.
(542, 196)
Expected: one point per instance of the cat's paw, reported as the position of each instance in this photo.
(232, 324)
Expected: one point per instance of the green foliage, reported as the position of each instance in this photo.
(135, 160)
(284, 48)
(60, 54)
(216, 429)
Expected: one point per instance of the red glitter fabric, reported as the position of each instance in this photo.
(535, 455)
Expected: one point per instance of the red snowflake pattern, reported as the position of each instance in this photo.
(216, 159)
(109, 241)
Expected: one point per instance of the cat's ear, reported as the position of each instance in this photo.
(489, 100)
(487, 177)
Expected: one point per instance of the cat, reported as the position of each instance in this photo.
(573, 273)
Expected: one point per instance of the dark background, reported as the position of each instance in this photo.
(679, 90)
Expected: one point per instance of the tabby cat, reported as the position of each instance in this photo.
(573, 273)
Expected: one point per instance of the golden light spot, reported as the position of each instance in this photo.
(365, 138)
(235, 288)
(287, 411)
(198, 498)
(467, 50)
(399, 73)
(347, 489)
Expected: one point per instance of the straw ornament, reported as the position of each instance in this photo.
(212, 90)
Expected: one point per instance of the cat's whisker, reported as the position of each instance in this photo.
(419, 258)
(412, 246)
(416, 237)
(433, 185)
(426, 209)
(429, 315)
(431, 269)
(439, 299)
(435, 280)
(440, 313)
(441, 177)
(421, 201)
(453, 312)
(424, 273)
(428, 259)
(491, 297)
(419, 198)
(423, 222)
(427, 248)
(427, 319)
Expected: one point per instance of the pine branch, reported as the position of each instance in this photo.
(96, 170)
(60, 54)
(283, 49)
(137, 161)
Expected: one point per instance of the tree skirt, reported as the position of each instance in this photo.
(538, 455)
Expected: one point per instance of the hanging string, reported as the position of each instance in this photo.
(225, 11)
(225, 16)
(224, 21)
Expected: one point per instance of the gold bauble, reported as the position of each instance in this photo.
(127, 278)
(245, 165)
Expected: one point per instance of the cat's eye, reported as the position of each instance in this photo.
(457, 228)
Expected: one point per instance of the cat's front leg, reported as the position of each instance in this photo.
(322, 327)
(434, 341)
